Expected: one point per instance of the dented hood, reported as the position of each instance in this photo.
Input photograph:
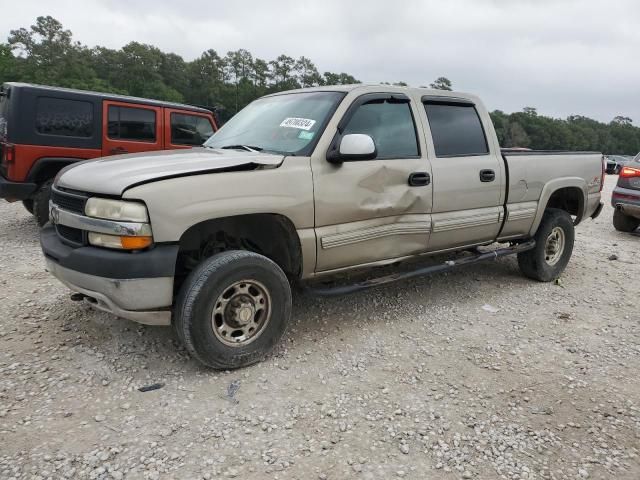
(113, 175)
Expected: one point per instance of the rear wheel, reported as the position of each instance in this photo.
(41, 203)
(28, 205)
(554, 245)
(624, 223)
(233, 309)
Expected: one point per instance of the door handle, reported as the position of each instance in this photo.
(419, 179)
(118, 151)
(487, 175)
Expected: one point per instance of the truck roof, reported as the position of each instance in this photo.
(378, 88)
(106, 96)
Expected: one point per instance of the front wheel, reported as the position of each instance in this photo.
(233, 309)
(554, 246)
(28, 205)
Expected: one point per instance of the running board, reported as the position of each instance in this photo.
(443, 267)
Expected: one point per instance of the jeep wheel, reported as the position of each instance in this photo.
(624, 223)
(28, 205)
(554, 245)
(41, 203)
(233, 309)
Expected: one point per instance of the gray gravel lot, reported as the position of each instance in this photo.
(415, 380)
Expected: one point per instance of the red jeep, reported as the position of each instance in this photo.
(44, 129)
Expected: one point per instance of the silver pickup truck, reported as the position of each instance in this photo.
(301, 185)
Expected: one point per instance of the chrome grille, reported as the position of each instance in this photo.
(72, 202)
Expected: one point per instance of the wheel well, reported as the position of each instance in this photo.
(46, 168)
(569, 199)
(271, 235)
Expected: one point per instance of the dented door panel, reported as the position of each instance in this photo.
(366, 211)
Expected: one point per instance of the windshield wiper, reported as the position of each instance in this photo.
(248, 148)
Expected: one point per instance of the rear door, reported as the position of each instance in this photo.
(185, 129)
(468, 175)
(130, 128)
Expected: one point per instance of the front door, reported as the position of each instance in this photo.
(374, 210)
(129, 128)
(185, 129)
(468, 176)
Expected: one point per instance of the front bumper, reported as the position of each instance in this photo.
(16, 190)
(135, 286)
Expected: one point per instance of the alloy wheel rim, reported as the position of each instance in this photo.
(554, 246)
(241, 313)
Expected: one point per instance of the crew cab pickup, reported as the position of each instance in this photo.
(44, 129)
(301, 185)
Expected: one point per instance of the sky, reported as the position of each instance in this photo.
(564, 57)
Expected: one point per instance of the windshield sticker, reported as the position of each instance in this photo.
(306, 135)
(301, 123)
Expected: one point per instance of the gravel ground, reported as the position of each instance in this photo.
(416, 380)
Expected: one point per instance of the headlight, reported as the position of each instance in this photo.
(116, 210)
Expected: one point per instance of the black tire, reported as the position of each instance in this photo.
(203, 290)
(41, 203)
(624, 223)
(28, 205)
(537, 263)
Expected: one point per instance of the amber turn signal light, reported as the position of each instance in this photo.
(135, 243)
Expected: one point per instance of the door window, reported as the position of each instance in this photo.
(128, 123)
(456, 130)
(390, 124)
(190, 129)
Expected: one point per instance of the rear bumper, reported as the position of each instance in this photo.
(12, 191)
(629, 209)
(626, 200)
(136, 286)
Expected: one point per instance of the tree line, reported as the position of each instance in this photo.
(46, 53)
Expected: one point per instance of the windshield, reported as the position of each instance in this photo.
(286, 124)
(637, 158)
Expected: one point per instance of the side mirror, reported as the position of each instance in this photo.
(355, 146)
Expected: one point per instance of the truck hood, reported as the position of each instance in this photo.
(113, 175)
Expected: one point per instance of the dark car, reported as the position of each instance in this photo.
(616, 162)
(626, 197)
(44, 129)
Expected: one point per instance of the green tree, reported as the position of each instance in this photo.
(307, 73)
(8, 67)
(47, 54)
(442, 83)
(622, 120)
(339, 79)
(282, 73)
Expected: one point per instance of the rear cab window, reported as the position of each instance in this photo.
(131, 123)
(456, 129)
(190, 130)
(64, 117)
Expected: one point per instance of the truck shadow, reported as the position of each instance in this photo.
(117, 345)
